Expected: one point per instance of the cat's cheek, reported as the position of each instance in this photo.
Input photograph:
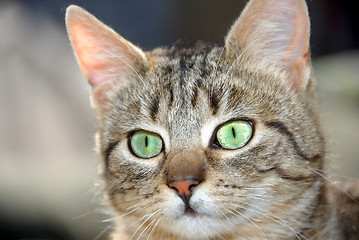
(203, 204)
(173, 206)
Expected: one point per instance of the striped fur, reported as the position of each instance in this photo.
(268, 189)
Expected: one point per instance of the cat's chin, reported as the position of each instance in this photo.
(198, 224)
(197, 221)
(193, 225)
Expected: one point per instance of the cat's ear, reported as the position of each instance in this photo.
(103, 55)
(276, 32)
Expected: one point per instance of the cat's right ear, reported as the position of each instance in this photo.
(103, 55)
(276, 33)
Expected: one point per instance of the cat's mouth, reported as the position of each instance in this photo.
(190, 212)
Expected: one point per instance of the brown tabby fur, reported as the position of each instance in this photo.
(272, 188)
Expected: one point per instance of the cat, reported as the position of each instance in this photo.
(220, 143)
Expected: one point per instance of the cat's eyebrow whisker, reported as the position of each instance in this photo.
(248, 219)
(278, 220)
(335, 185)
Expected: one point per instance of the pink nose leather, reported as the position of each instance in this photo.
(183, 187)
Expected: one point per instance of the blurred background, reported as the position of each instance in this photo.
(48, 169)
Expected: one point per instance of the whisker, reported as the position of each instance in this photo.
(220, 237)
(248, 219)
(103, 232)
(261, 188)
(149, 236)
(280, 221)
(258, 197)
(162, 233)
(336, 185)
(85, 214)
(144, 230)
(125, 214)
(149, 216)
(222, 213)
(334, 174)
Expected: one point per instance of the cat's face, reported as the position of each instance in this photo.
(269, 173)
(207, 142)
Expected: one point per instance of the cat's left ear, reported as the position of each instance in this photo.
(104, 56)
(274, 32)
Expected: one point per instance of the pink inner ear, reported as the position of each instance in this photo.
(86, 49)
(275, 32)
(103, 55)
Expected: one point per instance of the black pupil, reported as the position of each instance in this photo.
(233, 132)
(146, 141)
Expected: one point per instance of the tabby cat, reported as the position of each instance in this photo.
(214, 142)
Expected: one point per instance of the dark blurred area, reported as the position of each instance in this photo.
(335, 23)
(48, 168)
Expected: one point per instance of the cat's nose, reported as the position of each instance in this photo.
(184, 171)
(184, 187)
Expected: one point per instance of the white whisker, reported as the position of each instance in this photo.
(144, 230)
(149, 236)
(103, 232)
(260, 188)
(149, 216)
(336, 185)
(162, 234)
(248, 219)
(334, 174)
(118, 217)
(86, 214)
(280, 221)
(258, 197)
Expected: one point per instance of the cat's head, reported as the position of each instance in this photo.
(207, 141)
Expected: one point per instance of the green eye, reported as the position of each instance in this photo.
(234, 134)
(145, 144)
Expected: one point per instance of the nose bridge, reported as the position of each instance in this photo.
(186, 165)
